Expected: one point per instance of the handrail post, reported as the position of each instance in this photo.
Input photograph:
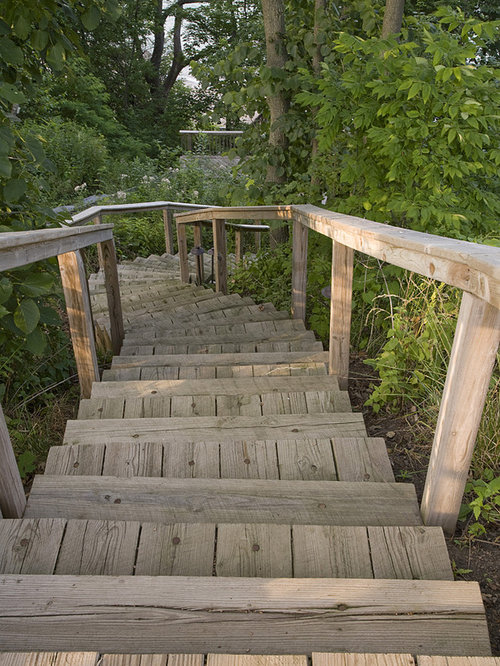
(76, 294)
(471, 364)
(12, 497)
(220, 258)
(299, 270)
(237, 245)
(340, 312)
(183, 252)
(111, 281)
(168, 217)
(98, 220)
(200, 267)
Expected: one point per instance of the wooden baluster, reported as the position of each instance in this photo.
(237, 244)
(76, 294)
(12, 497)
(299, 270)
(108, 253)
(200, 267)
(220, 258)
(471, 363)
(168, 217)
(98, 220)
(340, 312)
(183, 251)
(258, 237)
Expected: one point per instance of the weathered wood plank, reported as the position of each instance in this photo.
(141, 459)
(168, 218)
(30, 546)
(223, 500)
(299, 270)
(331, 552)
(176, 550)
(249, 460)
(340, 311)
(220, 255)
(362, 459)
(240, 385)
(12, 497)
(308, 459)
(108, 257)
(254, 550)
(357, 659)
(49, 658)
(191, 460)
(98, 548)
(220, 359)
(215, 428)
(74, 282)
(84, 459)
(176, 614)
(256, 660)
(458, 661)
(208, 338)
(473, 355)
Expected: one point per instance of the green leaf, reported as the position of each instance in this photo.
(37, 284)
(56, 56)
(49, 316)
(36, 342)
(11, 94)
(26, 463)
(39, 39)
(5, 166)
(10, 52)
(91, 18)
(5, 289)
(26, 316)
(3, 311)
(22, 27)
(14, 189)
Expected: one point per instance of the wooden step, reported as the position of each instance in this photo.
(214, 372)
(218, 338)
(237, 386)
(347, 459)
(224, 327)
(233, 404)
(215, 428)
(197, 360)
(259, 615)
(224, 348)
(96, 547)
(223, 500)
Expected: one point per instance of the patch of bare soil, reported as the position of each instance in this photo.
(409, 445)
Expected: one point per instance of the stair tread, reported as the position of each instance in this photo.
(214, 428)
(167, 614)
(116, 548)
(185, 360)
(347, 459)
(223, 500)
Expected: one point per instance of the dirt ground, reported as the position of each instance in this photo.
(409, 446)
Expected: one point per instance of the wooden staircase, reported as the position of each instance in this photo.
(218, 495)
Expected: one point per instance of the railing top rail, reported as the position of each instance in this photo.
(241, 227)
(213, 132)
(472, 267)
(143, 207)
(19, 248)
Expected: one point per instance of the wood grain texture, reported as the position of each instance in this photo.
(30, 546)
(458, 661)
(254, 550)
(473, 355)
(340, 312)
(220, 255)
(256, 660)
(299, 270)
(75, 288)
(223, 500)
(183, 614)
(108, 258)
(220, 359)
(12, 497)
(362, 459)
(49, 658)
(84, 459)
(215, 428)
(168, 218)
(183, 253)
(357, 659)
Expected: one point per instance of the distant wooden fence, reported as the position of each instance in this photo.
(471, 267)
(210, 142)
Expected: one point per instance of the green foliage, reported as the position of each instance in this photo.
(485, 505)
(412, 127)
(78, 156)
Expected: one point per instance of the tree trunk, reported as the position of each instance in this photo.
(319, 17)
(279, 103)
(393, 17)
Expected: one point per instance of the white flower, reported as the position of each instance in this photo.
(196, 193)
(81, 187)
(121, 195)
(144, 179)
(165, 180)
(123, 175)
(324, 199)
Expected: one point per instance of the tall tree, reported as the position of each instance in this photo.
(393, 17)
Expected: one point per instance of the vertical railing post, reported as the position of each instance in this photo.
(473, 354)
(183, 252)
(108, 253)
(200, 267)
(220, 259)
(168, 217)
(12, 497)
(299, 270)
(76, 294)
(340, 312)
(258, 237)
(237, 245)
(98, 220)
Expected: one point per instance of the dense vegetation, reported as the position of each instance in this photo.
(403, 129)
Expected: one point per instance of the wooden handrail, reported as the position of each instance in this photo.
(21, 248)
(473, 268)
